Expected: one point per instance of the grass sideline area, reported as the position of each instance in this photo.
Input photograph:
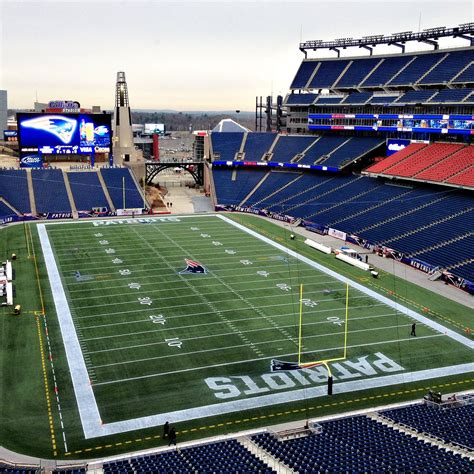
(201, 335)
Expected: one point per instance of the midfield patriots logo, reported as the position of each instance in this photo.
(193, 267)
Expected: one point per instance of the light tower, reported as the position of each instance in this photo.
(124, 149)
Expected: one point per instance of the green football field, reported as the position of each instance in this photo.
(180, 319)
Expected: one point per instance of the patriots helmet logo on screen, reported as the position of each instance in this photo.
(193, 267)
(59, 126)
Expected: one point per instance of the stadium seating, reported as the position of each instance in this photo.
(322, 148)
(349, 151)
(357, 98)
(396, 158)
(453, 164)
(417, 97)
(451, 425)
(301, 99)
(467, 75)
(356, 72)
(113, 178)
(287, 147)
(50, 191)
(87, 190)
(227, 144)
(329, 99)
(359, 444)
(233, 185)
(415, 69)
(220, 457)
(5, 211)
(433, 68)
(303, 74)
(327, 73)
(464, 178)
(275, 180)
(383, 99)
(423, 159)
(257, 144)
(14, 188)
(386, 71)
(454, 62)
(451, 95)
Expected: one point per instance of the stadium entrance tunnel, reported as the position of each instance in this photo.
(195, 169)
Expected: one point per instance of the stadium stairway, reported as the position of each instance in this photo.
(75, 215)
(269, 154)
(263, 455)
(425, 437)
(435, 65)
(9, 206)
(323, 158)
(250, 194)
(106, 191)
(31, 192)
(278, 190)
(341, 186)
(427, 226)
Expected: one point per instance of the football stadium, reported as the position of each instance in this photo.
(316, 317)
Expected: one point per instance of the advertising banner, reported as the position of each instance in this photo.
(258, 212)
(31, 160)
(396, 144)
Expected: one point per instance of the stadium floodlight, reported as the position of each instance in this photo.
(467, 25)
(403, 33)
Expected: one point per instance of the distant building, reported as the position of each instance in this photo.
(3, 112)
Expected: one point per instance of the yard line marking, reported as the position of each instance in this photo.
(180, 288)
(97, 283)
(151, 331)
(212, 335)
(129, 379)
(214, 302)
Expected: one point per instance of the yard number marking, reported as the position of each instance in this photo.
(230, 252)
(109, 250)
(283, 286)
(205, 236)
(194, 228)
(134, 286)
(246, 262)
(263, 273)
(335, 320)
(174, 342)
(125, 272)
(310, 303)
(157, 319)
(117, 260)
(145, 300)
(216, 243)
(98, 235)
(103, 242)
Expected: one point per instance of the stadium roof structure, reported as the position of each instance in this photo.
(229, 125)
(429, 36)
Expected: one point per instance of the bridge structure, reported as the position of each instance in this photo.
(195, 169)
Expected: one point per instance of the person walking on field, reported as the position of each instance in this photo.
(166, 430)
(172, 436)
(413, 330)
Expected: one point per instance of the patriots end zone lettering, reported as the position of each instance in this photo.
(140, 220)
(244, 385)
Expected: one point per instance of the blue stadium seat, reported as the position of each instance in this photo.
(87, 190)
(114, 180)
(449, 67)
(227, 144)
(257, 144)
(50, 191)
(14, 188)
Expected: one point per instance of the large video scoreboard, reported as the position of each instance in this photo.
(60, 134)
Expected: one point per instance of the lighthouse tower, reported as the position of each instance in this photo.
(124, 149)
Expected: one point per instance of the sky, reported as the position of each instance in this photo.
(187, 55)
